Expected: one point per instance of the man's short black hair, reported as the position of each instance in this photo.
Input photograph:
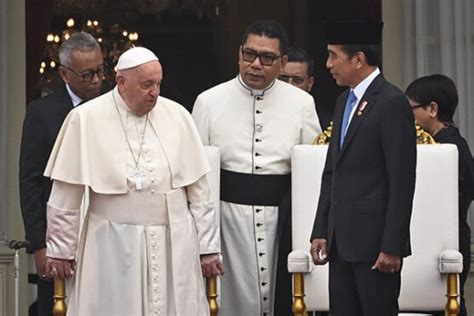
(270, 29)
(301, 56)
(372, 52)
(435, 88)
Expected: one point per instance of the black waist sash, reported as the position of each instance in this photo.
(253, 189)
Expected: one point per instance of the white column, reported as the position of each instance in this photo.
(12, 109)
(3, 118)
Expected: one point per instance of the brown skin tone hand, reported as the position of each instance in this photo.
(319, 251)
(40, 262)
(387, 263)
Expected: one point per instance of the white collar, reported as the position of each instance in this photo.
(254, 92)
(360, 89)
(74, 98)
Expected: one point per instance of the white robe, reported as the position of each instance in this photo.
(139, 249)
(255, 136)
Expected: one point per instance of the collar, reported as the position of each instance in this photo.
(255, 92)
(446, 132)
(122, 105)
(360, 89)
(119, 101)
(74, 98)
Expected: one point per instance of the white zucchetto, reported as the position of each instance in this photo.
(134, 57)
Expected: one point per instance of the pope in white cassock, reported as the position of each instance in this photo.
(255, 120)
(150, 234)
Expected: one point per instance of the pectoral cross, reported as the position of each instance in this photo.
(137, 176)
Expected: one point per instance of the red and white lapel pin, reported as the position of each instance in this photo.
(361, 108)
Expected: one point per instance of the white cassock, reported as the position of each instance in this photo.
(139, 249)
(255, 135)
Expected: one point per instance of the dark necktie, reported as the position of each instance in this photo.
(347, 113)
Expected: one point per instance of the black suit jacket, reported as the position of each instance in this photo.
(451, 135)
(43, 120)
(368, 184)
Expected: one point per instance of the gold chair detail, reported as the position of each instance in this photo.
(59, 307)
(211, 290)
(435, 263)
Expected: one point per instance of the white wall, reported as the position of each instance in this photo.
(392, 15)
(3, 119)
(12, 107)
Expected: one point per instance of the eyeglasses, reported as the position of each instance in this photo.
(291, 79)
(266, 59)
(418, 106)
(89, 74)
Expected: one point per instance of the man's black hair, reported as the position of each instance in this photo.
(372, 52)
(270, 29)
(301, 56)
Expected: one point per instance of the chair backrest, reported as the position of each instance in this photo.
(434, 224)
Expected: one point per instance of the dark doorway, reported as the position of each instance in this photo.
(197, 41)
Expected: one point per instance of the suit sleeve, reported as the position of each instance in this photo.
(398, 137)
(201, 119)
(34, 190)
(320, 226)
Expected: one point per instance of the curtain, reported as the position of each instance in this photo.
(439, 38)
(39, 14)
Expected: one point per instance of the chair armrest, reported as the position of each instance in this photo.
(300, 261)
(450, 261)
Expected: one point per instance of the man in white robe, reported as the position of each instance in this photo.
(150, 233)
(255, 120)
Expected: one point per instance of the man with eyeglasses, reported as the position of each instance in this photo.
(299, 69)
(82, 70)
(255, 120)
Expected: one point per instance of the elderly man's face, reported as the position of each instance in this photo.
(260, 61)
(296, 73)
(140, 86)
(85, 73)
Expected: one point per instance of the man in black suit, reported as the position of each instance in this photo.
(363, 216)
(82, 71)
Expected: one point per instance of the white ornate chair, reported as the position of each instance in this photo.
(435, 262)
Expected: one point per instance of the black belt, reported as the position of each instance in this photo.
(253, 189)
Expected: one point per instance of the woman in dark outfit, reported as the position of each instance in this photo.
(434, 100)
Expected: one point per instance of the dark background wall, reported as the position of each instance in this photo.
(200, 50)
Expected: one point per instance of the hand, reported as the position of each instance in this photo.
(40, 262)
(59, 268)
(319, 251)
(211, 265)
(387, 263)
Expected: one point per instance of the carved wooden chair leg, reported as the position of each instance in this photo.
(59, 307)
(211, 288)
(452, 305)
(299, 306)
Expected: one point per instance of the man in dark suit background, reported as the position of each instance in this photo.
(363, 216)
(82, 70)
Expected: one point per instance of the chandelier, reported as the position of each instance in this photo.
(208, 8)
(113, 40)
